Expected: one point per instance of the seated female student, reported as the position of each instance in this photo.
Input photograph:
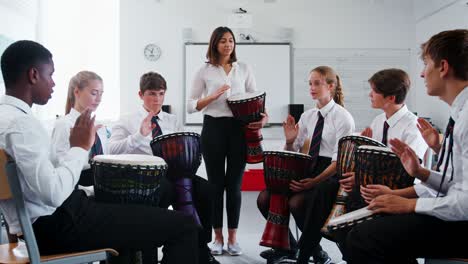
(84, 92)
(324, 125)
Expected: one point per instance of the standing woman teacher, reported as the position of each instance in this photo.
(222, 136)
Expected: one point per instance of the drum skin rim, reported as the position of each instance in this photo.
(122, 166)
(353, 137)
(238, 101)
(145, 160)
(286, 153)
(171, 135)
(376, 150)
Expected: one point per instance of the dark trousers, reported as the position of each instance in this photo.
(82, 224)
(203, 199)
(222, 141)
(86, 178)
(319, 202)
(403, 238)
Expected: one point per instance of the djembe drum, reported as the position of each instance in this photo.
(347, 147)
(248, 108)
(280, 167)
(182, 153)
(128, 178)
(374, 165)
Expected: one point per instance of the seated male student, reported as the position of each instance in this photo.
(64, 219)
(423, 227)
(389, 88)
(133, 134)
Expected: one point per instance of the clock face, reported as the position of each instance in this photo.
(152, 52)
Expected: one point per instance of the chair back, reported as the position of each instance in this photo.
(5, 192)
(11, 188)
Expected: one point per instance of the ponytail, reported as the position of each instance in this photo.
(338, 95)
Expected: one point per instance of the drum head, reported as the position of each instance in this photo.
(173, 135)
(375, 149)
(287, 153)
(245, 96)
(130, 159)
(368, 140)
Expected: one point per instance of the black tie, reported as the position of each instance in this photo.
(316, 139)
(448, 131)
(385, 132)
(96, 149)
(449, 135)
(156, 129)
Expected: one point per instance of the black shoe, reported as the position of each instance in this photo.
(321, 258)
(268, 254)
(211, 259)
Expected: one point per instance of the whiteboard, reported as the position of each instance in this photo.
(271, 64)
(354, 67)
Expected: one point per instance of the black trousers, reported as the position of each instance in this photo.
(318, 204)
(203, 199)
(223, 141)
(82, 224)
(403, 238)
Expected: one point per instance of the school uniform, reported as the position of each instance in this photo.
(127, 139)
(60, 144)
(427, 233)
(65, 219)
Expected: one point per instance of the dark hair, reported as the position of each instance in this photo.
(332, 78)
(390, 82)
(80, 81)
(450, 45)
(19, 57)
(212, 54)
(152, 81)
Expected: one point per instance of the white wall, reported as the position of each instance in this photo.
(315, 24)
(431, 17)
(18, 21)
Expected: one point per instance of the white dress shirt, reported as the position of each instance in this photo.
(61, 137)
(402, 125)
(454, 205)
(210, 78)
(338, 123)
(127, 139)
(45, 186)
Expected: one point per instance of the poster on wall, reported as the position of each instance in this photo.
(4, 43)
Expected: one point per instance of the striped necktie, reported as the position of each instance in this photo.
(385, 132)
(96, 149)
(449, 135)
(316, 139)
(448, 132)
(156, 128)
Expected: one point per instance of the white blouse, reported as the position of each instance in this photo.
(61, 137)
(210, 78)
(338, 123)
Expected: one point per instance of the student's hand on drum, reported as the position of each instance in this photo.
(259, 124)
(347, 182)
(408, 157)
(367, 132)
(291, 129)
(429, 133)
(221, 90)
(83, 132)
(371, 191)
(146, 125)
(392, 204)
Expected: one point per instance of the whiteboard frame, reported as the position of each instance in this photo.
(184, 73)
